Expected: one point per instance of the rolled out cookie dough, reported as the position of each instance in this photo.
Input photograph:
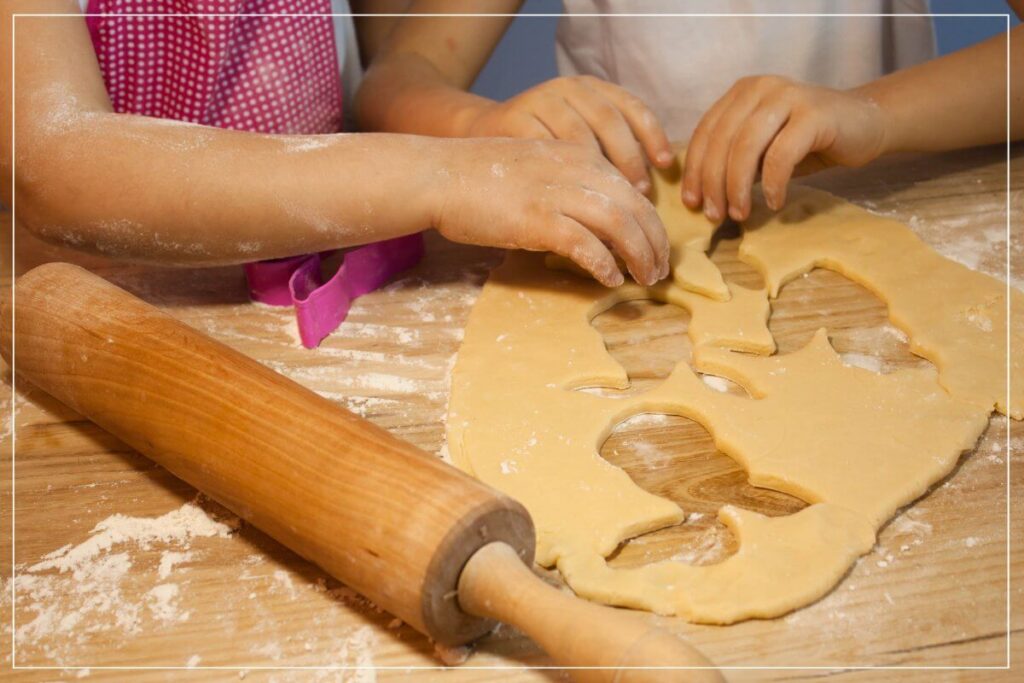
(854, 444)
(955, 317)
(815, 428)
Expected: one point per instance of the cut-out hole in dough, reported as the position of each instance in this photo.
(857, 321)
(870, 363)
(647, 339)
(675, 458)
(724, 253)
(729, 230)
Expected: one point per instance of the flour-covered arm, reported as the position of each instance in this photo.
(419, 81)
(153, 190)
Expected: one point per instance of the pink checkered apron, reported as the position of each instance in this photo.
(246, 65)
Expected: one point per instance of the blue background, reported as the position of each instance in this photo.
(526, 55)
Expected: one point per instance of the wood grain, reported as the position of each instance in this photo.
(933, 592)
(608, 645)
(372, 510)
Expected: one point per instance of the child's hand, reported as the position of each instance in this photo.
(582, 109)
(783, 122)
(554, 196)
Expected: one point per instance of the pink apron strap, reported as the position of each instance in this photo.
(212, 63)
(92, 20)
(321, 306)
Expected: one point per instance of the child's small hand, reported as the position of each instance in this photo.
(581, 109)
(782, 122)
(546, 195)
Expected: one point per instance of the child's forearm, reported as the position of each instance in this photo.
(418, 80)
(954, 101)
(149, 190)
(154, 190)
(403, 92)
(406, 93)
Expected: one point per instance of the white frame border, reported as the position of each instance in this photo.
(1008, 634)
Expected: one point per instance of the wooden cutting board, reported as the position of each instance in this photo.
(932, 593)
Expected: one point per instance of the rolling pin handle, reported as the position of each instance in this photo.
(598, 644)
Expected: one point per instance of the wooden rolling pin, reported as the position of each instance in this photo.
(442, 551)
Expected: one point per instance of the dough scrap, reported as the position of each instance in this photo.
(955, 317)
(693, 271)
(689, 234)
(740, 325)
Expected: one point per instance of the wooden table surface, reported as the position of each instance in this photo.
(207, 591)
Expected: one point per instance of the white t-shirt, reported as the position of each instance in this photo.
(681, 65)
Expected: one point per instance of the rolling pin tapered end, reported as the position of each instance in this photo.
(609, 645)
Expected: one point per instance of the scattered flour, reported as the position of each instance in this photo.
(270, 650)
(981, 250)
(178, 526)
(381, 382)
(342, 377)
(78, 593)
(644, 419)
(169, 559)
(306, 143)
(363, 406)
(859, 360)
(706, 548)
(905, 524)
(978, 319)
(283, 580)
(717, 383)
(895, 332)
(162, 601)
(357, 652)
(653, 456)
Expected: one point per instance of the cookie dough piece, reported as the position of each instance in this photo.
(514, 418)
(689, 233)
(689, 236)
(782, 562)
(855, 444)
(955, 317)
